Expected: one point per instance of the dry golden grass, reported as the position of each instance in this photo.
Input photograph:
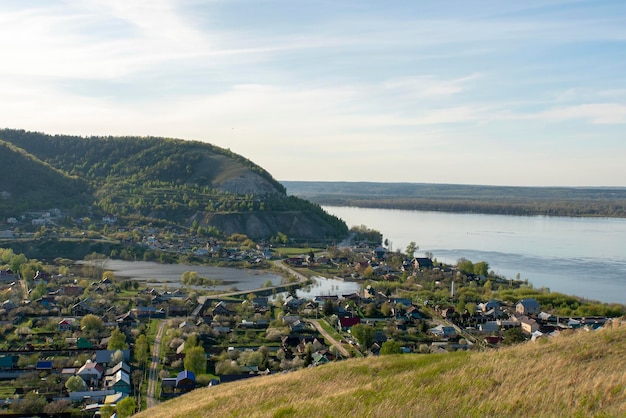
(571, 375)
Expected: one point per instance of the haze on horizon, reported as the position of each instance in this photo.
(459, 92)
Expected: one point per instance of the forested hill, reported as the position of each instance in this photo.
(177, 181)
(553, 201)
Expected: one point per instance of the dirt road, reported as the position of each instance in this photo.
(328, 338)
(154, 367)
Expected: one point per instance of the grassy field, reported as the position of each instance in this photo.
(572, 375)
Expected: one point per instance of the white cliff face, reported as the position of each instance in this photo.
(248, 183)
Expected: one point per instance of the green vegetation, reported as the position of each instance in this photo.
(553, 201)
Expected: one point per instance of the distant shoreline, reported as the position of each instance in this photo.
(609, 202)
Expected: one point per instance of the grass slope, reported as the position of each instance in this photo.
(571, 375)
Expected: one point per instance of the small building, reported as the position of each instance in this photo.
(185, 381)
(119, 382)
(44, 365)
(529, 325)
(422, 263)
(91, 373)
(347, 323)
(443, 331)
(528, 306)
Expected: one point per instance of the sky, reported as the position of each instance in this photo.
(528, 93)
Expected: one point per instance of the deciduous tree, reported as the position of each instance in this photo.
(195, 360)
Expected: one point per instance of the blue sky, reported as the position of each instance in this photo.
(480, 92)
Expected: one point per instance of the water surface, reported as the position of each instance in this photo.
(579, 256)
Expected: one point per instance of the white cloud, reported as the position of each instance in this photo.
(595, 113)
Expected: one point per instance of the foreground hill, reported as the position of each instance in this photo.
(180, 182)
(572, 375)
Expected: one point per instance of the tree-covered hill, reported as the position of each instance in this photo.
(28, 182)
(153, 179)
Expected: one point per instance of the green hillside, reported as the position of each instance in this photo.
(571, 375)
(152, 179)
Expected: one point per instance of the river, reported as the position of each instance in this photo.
(585, 257)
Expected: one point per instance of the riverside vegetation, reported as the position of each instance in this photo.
(504, 200)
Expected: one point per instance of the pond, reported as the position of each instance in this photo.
(158, 275)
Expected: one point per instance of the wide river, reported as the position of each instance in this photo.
(577, 256)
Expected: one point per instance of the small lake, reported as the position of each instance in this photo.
(578, 256)
(157, 275)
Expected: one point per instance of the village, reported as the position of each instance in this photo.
(78, 338)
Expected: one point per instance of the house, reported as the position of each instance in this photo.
(260, 302)
(47, 301)
(489, 327)
(185, 381)
(546, 317)
(148, 312)
(104, 356)
(487, 306)
(8, 362)
(119, 366)
(443, 331)
(72, 291)
(220, 309)
(293, 303)
(380, 252)
(91, 373)
(83, 343)
(119, 382)
(529, 325)
(528, 306)
(413, 313)
(347, 323)
(422, 263)
(297, 326)
(319, 358)
(66, 324)
(83, 308)
(114, 399)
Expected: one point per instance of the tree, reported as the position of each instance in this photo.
(58, 407)
(91, 322)
(117, 357)
(106, 411)
(410, 249)
(117, 341)
(126, 407)
(31, 404)
(390, 347)
(195, 360)
(141, 349)
(465, 265)
(364, 334)
(481, 268)
(513, 336)
(308, 357)
(385, 309)
(191, 342)
(329, 307)
(75, 384)
(371, 310)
